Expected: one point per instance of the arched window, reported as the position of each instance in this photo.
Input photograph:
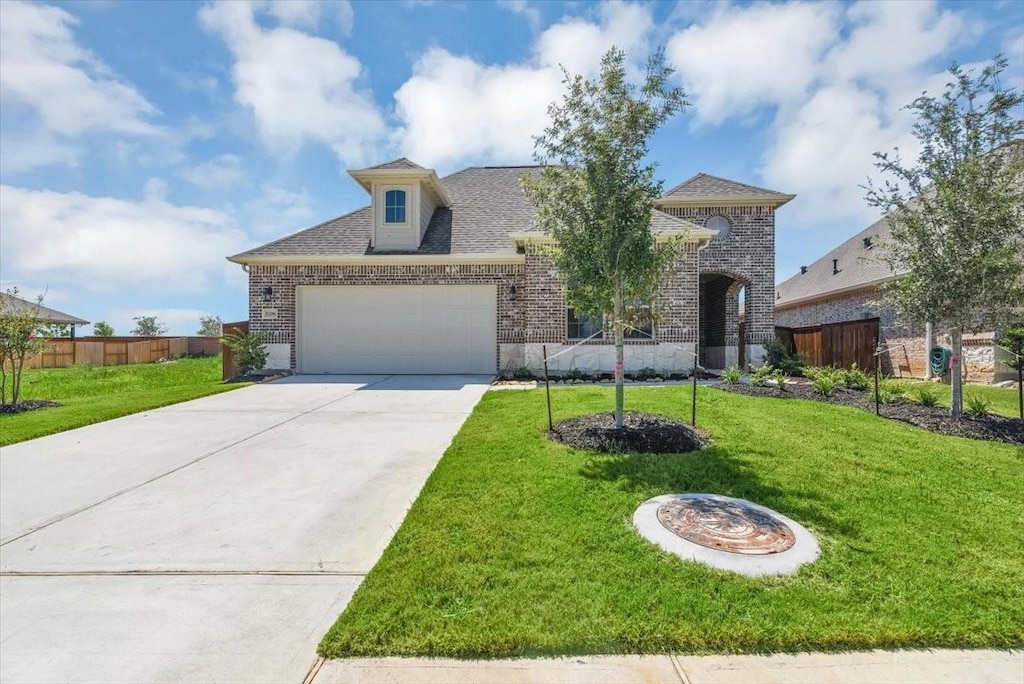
(719, 223)
(394, 206)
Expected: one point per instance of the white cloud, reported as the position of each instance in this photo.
(308, 13)
(524, 9)
(105, 244)
(61, 83)
(222, 171)
(741, 58)
(454, 109)
(299, 87)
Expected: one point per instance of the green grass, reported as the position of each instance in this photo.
(1003, 400)
(91, 394)
(518, 546)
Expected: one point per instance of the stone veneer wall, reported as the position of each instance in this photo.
(981, 357)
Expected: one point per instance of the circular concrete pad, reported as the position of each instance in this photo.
(726, 533)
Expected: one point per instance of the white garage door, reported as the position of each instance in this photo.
(419, 329)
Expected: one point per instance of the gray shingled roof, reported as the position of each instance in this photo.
(705, 185)
(43, 313)
(400, 163)
(487, 205)
(858, 266)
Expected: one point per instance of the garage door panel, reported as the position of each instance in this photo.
(397, 329)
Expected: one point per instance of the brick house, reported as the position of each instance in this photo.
(842, 289)
(445, 275)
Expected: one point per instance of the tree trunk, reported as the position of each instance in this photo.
(619, 351)
(956, 375)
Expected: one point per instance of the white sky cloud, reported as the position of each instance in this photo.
(524, 9)
(105, 244)
(455, 109)
(223, 171)
(299, 87)
(55, 91)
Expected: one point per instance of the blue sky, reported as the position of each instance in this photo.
(142, 142)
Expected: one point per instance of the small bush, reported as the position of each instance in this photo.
(249, 348)
(780, 380)
(977, 405)
(759, 378)
(573, 374)
(646, 374)
(732, 375)
(855, 378)
(825, 384)
(523, 373)
(926, 396)
(889, 390)
(777, 357)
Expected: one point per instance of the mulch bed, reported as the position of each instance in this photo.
(934, 418)
(30, 405)
(641, 433)
(257, 377)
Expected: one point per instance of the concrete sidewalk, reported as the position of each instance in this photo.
(877, 667)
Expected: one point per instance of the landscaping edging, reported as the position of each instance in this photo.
(933, 418)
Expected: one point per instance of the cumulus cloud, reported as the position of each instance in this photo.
(54, 90)
(524, 9)
(454, 109)
(222, 171)
(741, 58)
(299, 87)
(105, 244)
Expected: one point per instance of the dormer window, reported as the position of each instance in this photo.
(394, 206)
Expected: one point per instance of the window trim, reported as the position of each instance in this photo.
(721, 233)
(404, 207)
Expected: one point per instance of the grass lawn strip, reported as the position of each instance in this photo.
(519, 546)
(1002, 400)
(92, 394)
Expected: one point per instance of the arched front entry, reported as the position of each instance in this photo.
(722, 298)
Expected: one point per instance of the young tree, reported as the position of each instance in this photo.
(103, 329)
(1013, 341)
(210, 326)
(957, 213)
(22, 336)
(595, 192)
(148, 326)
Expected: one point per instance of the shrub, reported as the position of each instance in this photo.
(926, 396)
(889, 390)
(855, 378)
(522, 373)
(732, 375)
(777, 357)
(780, 380)
(825, 384)
(249, 348)
(977, 405)
(646, 374)
(759, 378)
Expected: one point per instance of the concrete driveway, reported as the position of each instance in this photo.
(214, 540)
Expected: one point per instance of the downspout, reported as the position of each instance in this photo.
(928, 343)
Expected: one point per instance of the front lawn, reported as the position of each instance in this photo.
(90, 394)
(520, 546)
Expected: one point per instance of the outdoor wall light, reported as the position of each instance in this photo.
(268, 293)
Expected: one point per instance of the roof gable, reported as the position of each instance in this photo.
(705, 188)
(400, 163)
(43, 313)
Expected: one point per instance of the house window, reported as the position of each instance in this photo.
(394, 206)
(581, 328)
(719, 223)
(640, 330)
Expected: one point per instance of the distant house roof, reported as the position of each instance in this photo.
(43, 313)
(487, 206)
(858, 265)
(704, 187)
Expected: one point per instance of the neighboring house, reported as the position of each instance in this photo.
(447, 275)
(839, 294)
(43, 314)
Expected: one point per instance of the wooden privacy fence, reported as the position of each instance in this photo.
(833, 344)
(60, 353)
